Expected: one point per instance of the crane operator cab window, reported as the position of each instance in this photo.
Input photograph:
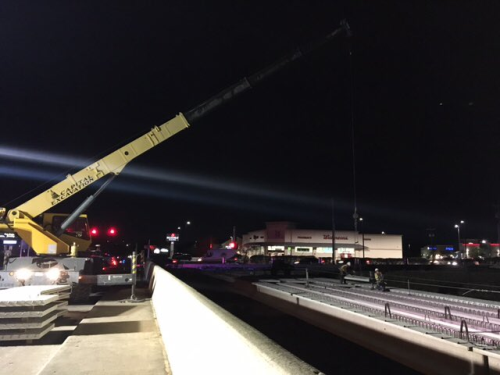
(79, 228)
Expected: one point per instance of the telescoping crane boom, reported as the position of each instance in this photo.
(21, 218)
(48, 240)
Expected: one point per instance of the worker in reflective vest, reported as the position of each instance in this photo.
(379, 279)
(343, 272)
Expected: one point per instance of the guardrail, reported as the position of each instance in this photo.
(202, 338)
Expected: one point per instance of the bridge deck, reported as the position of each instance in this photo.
(476, 321)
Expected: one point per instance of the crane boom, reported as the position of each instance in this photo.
(110, 164)
(43, 241)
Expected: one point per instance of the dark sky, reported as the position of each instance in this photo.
(78, 79)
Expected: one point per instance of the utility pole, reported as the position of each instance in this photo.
(333, 231)
(430, 232)
(362, 237)
(497, 216)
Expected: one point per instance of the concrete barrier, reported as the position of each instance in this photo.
(202, 338)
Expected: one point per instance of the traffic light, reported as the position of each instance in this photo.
(94, 232)
(112, 232)
(233, 245)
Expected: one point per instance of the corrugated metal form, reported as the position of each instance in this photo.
(29, 312)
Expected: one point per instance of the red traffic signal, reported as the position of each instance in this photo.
(233, 245)
(112, 231)
(94, 231)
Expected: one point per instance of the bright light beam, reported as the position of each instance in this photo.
(182, 179)
(158, 175)
(171, 193)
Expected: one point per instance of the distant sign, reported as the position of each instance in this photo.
(172, 237)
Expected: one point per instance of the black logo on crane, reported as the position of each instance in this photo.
(72, 189)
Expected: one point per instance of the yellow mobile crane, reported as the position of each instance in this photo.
(50, 238)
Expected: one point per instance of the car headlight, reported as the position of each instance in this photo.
(23, 274)
(53, 273)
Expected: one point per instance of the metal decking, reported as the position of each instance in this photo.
(475, 321)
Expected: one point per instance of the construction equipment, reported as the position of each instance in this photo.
(51, 239)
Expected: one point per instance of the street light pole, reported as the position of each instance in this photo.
(432, 252)
(362, 236)
(188, 223)
(458, 232)
(333, 231)
(183, 229)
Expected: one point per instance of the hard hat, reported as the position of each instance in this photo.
(348, 263)
(376, 269)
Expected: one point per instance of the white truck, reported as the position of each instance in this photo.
(220, 256)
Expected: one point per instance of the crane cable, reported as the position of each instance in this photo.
(351, 70)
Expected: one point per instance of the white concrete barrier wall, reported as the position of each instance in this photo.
(202, 338)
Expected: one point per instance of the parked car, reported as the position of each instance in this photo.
(236, 259)
(282, 264)
(260, 259)
(182, 257)
(309, 260)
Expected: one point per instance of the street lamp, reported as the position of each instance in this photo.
(432, 250)
(188, 223)
(458, 232)
(181, 227)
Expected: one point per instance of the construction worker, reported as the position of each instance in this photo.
(379, 280)
(344, 270)
(372, 279)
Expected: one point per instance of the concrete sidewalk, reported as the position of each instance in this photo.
(117, 336)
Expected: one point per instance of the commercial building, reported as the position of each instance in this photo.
(284, 238)
(469, 249)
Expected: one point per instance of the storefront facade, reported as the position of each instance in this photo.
(284, 238)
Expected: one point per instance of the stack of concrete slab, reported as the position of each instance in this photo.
(29, 312)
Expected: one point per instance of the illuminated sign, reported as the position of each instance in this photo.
(329, 237)
(172, 237)
(345, 250)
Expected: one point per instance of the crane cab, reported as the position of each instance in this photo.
(78, 232)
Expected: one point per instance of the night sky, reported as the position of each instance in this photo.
(421, 92)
